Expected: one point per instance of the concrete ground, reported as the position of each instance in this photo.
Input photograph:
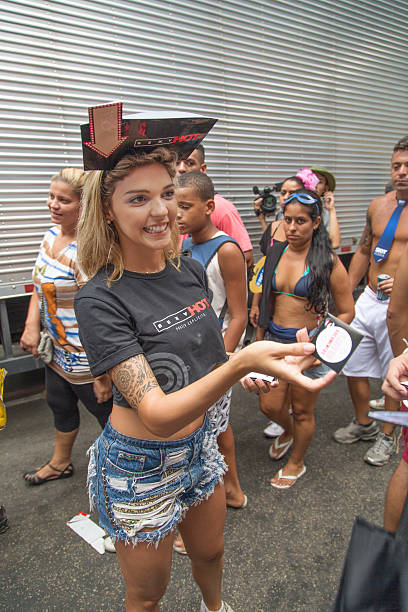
(284, 552)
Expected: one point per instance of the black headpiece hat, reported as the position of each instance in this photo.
(107, 137)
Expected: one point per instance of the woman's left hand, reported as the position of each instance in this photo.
(102, 387)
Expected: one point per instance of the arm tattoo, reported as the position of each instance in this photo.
(367, 235)
(134, 378)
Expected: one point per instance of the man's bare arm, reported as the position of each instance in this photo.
(367, 235)
(361, 258)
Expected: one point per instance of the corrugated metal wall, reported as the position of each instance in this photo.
(292, 82)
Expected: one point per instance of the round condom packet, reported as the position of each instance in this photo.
(334, 344)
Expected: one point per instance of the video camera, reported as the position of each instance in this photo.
(268, 204)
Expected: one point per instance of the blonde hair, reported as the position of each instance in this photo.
(98, 242)
(73, 177)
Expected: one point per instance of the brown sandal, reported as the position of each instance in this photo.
(33, 479)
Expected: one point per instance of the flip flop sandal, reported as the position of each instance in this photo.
(242, 506)
(179, 548)
(292, 479)
(33, 479)
(277, 450)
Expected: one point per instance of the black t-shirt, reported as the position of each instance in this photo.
(167, 316)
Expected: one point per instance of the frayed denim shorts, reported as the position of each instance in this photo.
(143, 488)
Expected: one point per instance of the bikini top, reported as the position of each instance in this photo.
(302, 287)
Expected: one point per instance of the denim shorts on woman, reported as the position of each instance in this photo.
(143, 488)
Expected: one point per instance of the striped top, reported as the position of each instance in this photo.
(57, 278)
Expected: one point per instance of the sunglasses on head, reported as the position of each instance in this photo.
(303, 198)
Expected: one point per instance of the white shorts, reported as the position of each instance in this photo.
(373, 354)
(219, 414)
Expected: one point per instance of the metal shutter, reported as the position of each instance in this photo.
(292, 82)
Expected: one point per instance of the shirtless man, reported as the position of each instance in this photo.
(225, 216)
(374, 353)
(397, 320)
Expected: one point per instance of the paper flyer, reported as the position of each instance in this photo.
(390, 416)
(88, 531)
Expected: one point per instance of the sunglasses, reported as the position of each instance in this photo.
(303, 198)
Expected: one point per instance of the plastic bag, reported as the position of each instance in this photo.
(45, 348)
(375, 573)
(3, 413)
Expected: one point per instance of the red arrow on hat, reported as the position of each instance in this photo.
(105, 127)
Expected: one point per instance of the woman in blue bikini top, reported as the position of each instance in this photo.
(302, 286)
(299, 275)
(301, 272)
(301, 290)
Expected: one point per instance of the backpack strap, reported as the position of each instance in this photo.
(205, 251)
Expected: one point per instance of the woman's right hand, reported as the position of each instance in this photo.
(30, 340)
(254, 315)
(257, 205)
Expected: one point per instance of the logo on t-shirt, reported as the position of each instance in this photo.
(181, 316)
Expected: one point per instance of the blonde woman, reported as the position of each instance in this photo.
(145, 318)
(57, 278)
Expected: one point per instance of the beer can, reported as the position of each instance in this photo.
(381, 296)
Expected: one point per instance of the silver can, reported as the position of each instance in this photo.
(381, 296)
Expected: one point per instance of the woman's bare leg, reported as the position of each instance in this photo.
(233, 492)
(203, 533)
(146, 571)
(64, 441)
(275, 405)
(303, 403)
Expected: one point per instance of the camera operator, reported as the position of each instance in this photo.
(285, 188)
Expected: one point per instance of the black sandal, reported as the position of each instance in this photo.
(33, 479)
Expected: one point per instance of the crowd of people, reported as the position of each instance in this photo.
(141, 283)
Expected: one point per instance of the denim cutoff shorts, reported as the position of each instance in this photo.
(314, 371)
(143, 488)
